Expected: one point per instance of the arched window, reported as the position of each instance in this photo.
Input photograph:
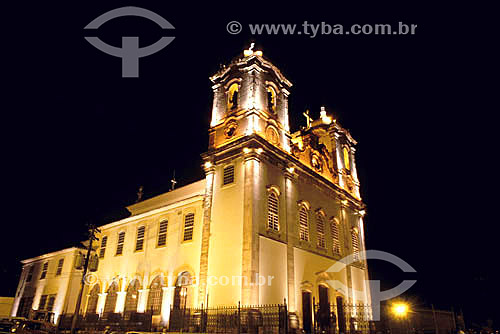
(320, 228)
(132, 296)
(334, 225)
(303, 223)
(232, 96)
(355, 243)
(93, 299)
(110, 304)
(180, 294)
(272, 211)
(346, 158)
(155, 296)
(271, 99)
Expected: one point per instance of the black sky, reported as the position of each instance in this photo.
(79, 139)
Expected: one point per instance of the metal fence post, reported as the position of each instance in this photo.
(286, 317)
(239, 317)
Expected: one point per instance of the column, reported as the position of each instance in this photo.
(101, 301)
(120, 301)
(143, 300)
(166, 304)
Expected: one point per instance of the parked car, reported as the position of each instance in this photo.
(19, 325)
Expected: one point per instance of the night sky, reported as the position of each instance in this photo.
(78, 139)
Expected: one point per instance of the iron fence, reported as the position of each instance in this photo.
(115, 322)
(343, 318)
(251, 319)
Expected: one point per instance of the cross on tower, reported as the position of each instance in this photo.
(173, 182)
(308, 118)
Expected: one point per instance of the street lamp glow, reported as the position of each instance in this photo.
(400, 309)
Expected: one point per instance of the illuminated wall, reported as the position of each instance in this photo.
(62, 286)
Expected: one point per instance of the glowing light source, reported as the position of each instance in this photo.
(260, 150)
(208, 164)
(290, 169)
(246, 150)
(400, 309)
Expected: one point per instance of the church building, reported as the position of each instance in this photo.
(275, 211)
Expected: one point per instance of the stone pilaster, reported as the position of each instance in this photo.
(205, 236)
(354, 171)
(340, 163)
(291, 208)
(250, 261)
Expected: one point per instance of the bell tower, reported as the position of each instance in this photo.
(250, 97)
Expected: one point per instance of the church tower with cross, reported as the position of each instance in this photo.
(286, 204)
(274, 213)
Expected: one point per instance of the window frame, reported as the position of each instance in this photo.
(43, 302)
(304, 208)
(140, 240)
(335, 233)
(102, 248)
(233, 178)
(320, 229)
(355, 243)
(273, 213)
(45, 269)
(120, 245)
(162, 234)
(186, 228)
(60, 265)
(29, 275)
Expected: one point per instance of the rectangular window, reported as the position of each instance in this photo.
(272, 212)
(43, 301)
(119, 245)
(355, 243)
(321, 231)
(59, 266)
(188, 226)
(303, 224)
(102, 250)
(228, 175)
(44, 270)
(139, 244)
(29, 277)
(162, 233)
(50, 304)
(335, 236)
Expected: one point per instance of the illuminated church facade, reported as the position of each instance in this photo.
(274, 212)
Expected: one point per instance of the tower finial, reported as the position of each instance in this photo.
(250, 52)
(140, 193)
(173, 181)
(324, 117)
